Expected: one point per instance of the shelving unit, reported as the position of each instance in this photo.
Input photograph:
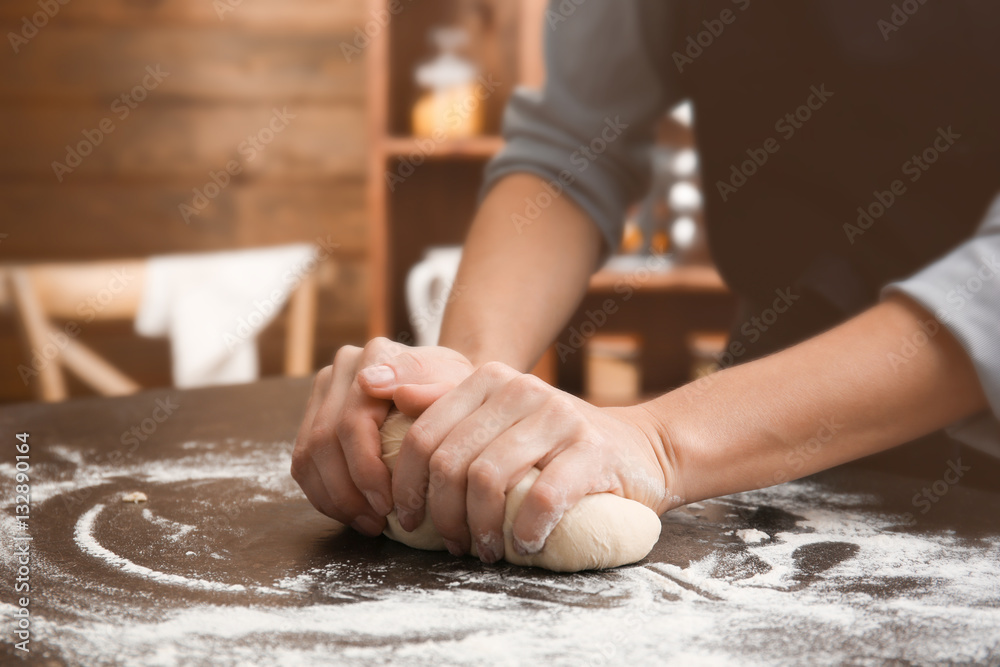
(414, 214)
(478, 148)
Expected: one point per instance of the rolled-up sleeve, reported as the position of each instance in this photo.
(962, 290)
(589, 131)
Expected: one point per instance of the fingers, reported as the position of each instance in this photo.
(561, 484)
(303, 468)
(413, 468)
(497, 470)
(337, 456)
(328, 455)
(357, 429)
(451, 461)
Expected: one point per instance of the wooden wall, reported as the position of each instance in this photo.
(230, 64)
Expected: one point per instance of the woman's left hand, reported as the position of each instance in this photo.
(474, 444)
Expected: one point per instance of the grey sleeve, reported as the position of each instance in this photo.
(589, 131)
(962, 290)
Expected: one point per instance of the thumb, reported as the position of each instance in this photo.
(425, 367)
(413, 399)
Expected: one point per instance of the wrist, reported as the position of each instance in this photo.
(666, 446)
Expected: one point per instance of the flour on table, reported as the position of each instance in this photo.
(837, 583)
(752, 535)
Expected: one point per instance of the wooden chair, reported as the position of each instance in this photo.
(42, 292)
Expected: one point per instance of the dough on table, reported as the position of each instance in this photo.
(601, 531)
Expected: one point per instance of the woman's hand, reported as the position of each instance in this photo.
(337, 456)
(474, 444)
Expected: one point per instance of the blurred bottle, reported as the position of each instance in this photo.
(449, 109)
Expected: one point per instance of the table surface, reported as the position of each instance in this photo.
(227, 563)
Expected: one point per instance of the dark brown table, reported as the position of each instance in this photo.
(228, 564)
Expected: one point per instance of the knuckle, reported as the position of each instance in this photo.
(494, 370)
(528, 385)
(435, 481)
(345, 355)
(323, 377)
(412, 499)
(445, 465)
(418, 440)
(316, 438)
(561, 406)
(301, 461)
(546, 497)
(484, 477)
(340, 503)
(379, 350)
(410, 362)
(346, 429)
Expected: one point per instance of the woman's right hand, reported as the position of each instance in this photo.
(337, 456)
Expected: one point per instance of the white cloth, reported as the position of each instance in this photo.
(212, 306)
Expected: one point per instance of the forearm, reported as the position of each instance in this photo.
(520, 278)
(850, 392)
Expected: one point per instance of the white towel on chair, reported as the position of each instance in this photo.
(212, 306)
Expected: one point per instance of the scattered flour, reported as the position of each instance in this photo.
(944, 604)
(752, 535)
(173, 530)
(84, 537)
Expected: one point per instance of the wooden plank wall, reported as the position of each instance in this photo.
(231, 63)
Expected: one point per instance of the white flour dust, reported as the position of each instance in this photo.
(84, 537)
(173, 530)
(752, 598)
(752, 535)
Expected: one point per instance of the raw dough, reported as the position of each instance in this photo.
(601, 531)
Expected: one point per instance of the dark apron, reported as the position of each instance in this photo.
(895, 82)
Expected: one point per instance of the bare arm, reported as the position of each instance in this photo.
(850, 392)
(519, 283)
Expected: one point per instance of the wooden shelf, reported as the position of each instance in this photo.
(685, 278)
(483, 147)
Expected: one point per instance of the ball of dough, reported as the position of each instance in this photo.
(601, 531)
